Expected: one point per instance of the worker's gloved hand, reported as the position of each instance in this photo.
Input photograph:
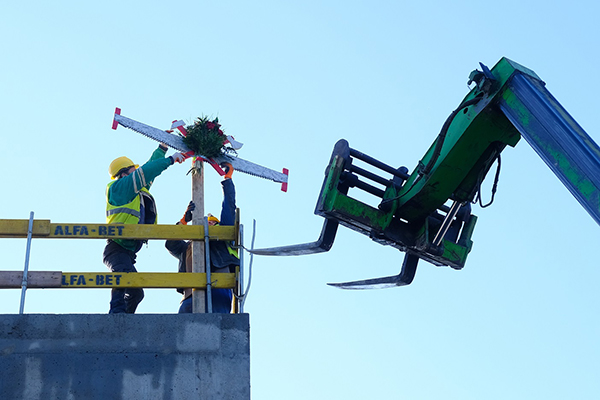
(178, 158)
(188, 212)
(187, 216)
(228, 168)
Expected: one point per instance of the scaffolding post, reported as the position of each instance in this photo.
(26, 267)
(240, 284)
(207, 264)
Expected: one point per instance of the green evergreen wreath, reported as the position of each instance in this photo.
(205, 137)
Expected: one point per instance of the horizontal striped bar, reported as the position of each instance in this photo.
(17, 228)
(90, 280)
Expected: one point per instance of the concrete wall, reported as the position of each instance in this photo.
(121, 356)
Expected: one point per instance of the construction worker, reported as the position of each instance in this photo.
(223, 258)
(128, 201)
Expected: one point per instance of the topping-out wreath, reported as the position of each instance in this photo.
(206, 138)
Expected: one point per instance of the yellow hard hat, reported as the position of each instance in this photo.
(118, 164)
(211, 217)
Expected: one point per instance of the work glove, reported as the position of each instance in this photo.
(178, 158)
(187, 216)
(228, 168)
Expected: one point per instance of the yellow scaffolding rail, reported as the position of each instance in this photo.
(18, 228)
(45, 229)
(89, 280)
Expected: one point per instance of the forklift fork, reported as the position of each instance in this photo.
(322, 244)
(405, 277)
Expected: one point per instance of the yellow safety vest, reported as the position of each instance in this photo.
(125, 214)
(232, 251)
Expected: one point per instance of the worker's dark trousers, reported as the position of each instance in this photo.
(221, 302)
(119, 259)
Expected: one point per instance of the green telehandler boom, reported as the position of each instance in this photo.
(427, 213)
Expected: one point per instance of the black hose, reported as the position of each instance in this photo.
(442, 136)
(437, 151)
(494, 186)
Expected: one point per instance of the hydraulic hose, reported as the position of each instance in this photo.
(442, 136)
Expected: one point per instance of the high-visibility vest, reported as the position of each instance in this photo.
(232, 251)
(129, 213)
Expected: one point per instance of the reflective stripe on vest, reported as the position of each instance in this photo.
(124, 211)
(124, 214)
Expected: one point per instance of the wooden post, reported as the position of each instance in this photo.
(198, 262)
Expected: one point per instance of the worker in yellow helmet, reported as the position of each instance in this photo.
(223, 258)
(128, 201)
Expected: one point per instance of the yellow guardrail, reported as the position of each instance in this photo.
(18, 228)
(89, 280)
(40, 229)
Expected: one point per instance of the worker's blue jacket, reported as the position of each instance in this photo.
(220, 251)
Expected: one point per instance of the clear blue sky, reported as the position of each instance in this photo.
(289, 79)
